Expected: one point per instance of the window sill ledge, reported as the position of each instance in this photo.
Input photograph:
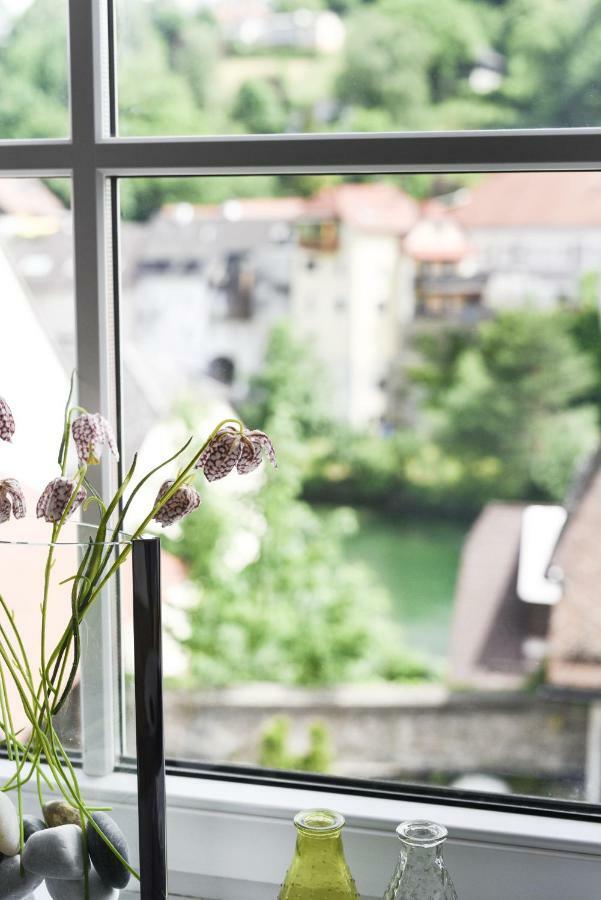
(229, 839)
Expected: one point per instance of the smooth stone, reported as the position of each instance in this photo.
(9, 827)
(55, 852)
(74, 890)
(107, 865)
(57, 812)
(31, 825)
(12, 886)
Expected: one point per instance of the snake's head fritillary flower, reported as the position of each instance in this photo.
(55, 499)
(90, 433)
(184, 501)
(221, 454)
(7, 422)
(231, 449)
(253, 445)
(12, 500)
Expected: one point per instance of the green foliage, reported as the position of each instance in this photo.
(291, 380)
(508, 411)
(405, 56)
(33, 74)
(274, 752)
(554, 65)
(259, 108)
(509, 400)
(406, 64)
(584, 325)
(277, 598)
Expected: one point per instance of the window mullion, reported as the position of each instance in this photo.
(94, 342)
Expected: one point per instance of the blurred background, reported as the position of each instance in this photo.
(414, 593)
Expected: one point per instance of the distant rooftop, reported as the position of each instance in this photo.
(377, 207)
(436, 236)
(28, 197)
(526, 199)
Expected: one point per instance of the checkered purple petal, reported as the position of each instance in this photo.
(11, 489)
(263, 443)
(250, 457)
(5, 509)
(7, 422)
(55, 499)
(221, 455)
(184, 501)
(90, 434)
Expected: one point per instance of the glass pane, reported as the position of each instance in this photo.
(275, 66)
(404, 597)
(34, 94)
(37, 322)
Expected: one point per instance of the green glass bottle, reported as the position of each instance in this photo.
(318, 870)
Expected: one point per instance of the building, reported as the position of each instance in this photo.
(352, 291)
(536, 235)
(448, 283)
(257, 26)
(575, 629)
(211, 281)
(528, 593)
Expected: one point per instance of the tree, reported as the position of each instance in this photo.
(584, 325)
(34, 99)
(277, 598)
(515, 402)
(258, 107)
(291, 380)
(404, 56)
(554, 66)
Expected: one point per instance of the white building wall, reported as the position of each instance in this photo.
(320, 312)
(351, 305)
(374, 322)
(535, 264)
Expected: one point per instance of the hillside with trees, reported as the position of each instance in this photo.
(404, 64)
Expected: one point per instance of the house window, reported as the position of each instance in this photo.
(336, 643)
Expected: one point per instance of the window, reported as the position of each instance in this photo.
(197, 249)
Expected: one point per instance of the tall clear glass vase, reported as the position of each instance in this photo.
(421, 872)
(50, 835)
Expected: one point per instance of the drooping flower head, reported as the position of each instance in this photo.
(53, 502)
(231, 449)
(12, 500)
(185, 500)
(90, 433)
(7, 422)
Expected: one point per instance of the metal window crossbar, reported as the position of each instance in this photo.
(477, 151)
(93, 159)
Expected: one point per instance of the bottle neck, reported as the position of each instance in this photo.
(422, 857)
(318, 843)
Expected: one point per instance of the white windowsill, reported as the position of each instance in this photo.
(228, 840)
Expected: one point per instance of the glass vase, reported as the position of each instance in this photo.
(319, 870)
(421, 873)
(42, 584)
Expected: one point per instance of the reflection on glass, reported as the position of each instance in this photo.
(38, 335)
(404, 598)
(271, 66)
(34, 94)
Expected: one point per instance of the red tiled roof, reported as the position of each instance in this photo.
(378, 207)
(522, 199)
(437, 237)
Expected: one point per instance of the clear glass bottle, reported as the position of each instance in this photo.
(319, 870)
(421, 873)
